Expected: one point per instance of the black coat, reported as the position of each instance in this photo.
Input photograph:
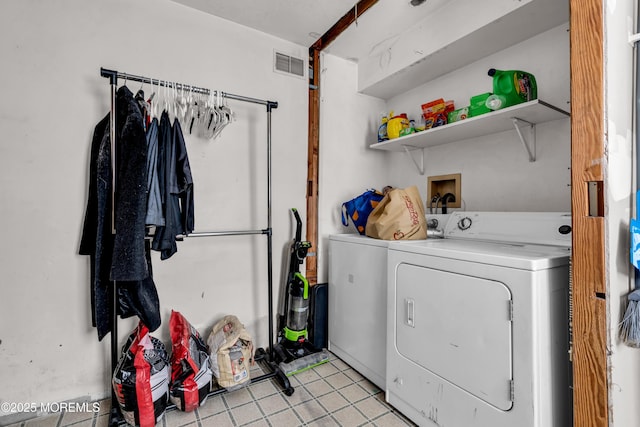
(176, 187)
(122, 257)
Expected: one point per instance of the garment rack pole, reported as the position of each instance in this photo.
(115, 418)
(115, 75)
(269, 234)
(222, 233)
(114, 292)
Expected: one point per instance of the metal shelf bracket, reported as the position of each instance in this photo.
(420, 166)
(530, 145)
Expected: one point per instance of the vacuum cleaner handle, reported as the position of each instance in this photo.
(299, 248)
(298, 224)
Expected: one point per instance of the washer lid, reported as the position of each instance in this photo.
(514, 255)
(358, 238)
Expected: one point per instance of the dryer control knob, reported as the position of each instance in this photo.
(564, 229)
(465, 223)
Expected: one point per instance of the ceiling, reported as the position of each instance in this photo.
(304, 21)
(379, 31)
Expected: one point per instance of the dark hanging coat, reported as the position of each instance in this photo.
(155, 215)
(123, 257)
(182, 181)
(176, 184)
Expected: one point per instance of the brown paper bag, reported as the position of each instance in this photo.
(398, 216)
(231, 349)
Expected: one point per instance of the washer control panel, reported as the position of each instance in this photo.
(544, 228)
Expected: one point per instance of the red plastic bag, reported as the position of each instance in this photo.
(190, 365)
(141, 379)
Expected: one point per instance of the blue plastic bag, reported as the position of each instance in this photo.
(359, 208)
(635, 243)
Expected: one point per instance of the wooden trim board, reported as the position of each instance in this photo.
(343, 23)
(589, 340)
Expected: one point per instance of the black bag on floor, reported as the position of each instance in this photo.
(141, 379)
(318, 315)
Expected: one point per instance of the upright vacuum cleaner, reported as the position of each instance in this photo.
(294, 352)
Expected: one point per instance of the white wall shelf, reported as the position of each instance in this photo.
(531, 113)
(467, 32)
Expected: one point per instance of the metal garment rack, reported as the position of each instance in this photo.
(115, 417)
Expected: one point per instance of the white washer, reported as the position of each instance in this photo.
(358, 303)
(478, 322)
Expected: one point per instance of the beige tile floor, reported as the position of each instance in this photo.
(331, 394)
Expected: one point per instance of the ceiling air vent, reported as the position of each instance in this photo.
(289, 64)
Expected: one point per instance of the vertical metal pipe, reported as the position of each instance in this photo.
(112, 138)
(636, 275)
(269, 167)
(114, 288)
(269, 234)
(114, 415)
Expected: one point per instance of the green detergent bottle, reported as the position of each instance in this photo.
(513, 87)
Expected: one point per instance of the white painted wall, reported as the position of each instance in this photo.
(624, 362)
(348, 124)
(496, 172)
(53, 97)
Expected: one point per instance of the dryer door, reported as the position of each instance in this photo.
(458, 327)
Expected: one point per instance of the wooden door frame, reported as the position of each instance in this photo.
(589, 327)
(588, 322)
(313, 148)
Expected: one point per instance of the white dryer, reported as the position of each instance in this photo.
(477, 322)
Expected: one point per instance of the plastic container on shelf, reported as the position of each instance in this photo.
(495, 102)
(513, 86)
(457, 115)
(477, 104)
(382, 130)
(396, 124)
